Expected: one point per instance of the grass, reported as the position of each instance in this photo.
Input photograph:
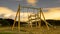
(6, 33)
(34, 30)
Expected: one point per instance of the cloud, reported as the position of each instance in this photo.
(24, 16)
(32, 2)
(18, 0)
(53, 13)
(5, 10)
(7, 13)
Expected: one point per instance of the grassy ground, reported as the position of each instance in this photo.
(34, 30)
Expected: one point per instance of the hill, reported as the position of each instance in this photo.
(9, 22)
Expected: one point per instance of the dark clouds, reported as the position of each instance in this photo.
(48, 3)
(41, 3)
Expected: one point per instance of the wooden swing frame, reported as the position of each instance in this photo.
(18, 14)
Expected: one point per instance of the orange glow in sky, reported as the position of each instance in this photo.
(52, 13)
(32, 2)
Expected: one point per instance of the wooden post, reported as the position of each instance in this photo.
(19, 19)
(44, 19)
(14, 20)
(36, 19)
(40, 19)
(31, 21)
(18, 13)
(39, 16)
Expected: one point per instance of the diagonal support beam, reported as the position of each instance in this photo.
(44, 18)
(17, 15)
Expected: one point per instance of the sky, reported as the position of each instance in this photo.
(51, 8)
(35, 3)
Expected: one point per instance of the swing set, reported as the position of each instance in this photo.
(37, 17)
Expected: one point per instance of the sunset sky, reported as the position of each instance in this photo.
(51, 8)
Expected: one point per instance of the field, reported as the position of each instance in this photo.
(34, 30)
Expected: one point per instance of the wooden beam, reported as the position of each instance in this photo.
(19, 18)
(17, 14)
(44, 19)
(14, 20)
